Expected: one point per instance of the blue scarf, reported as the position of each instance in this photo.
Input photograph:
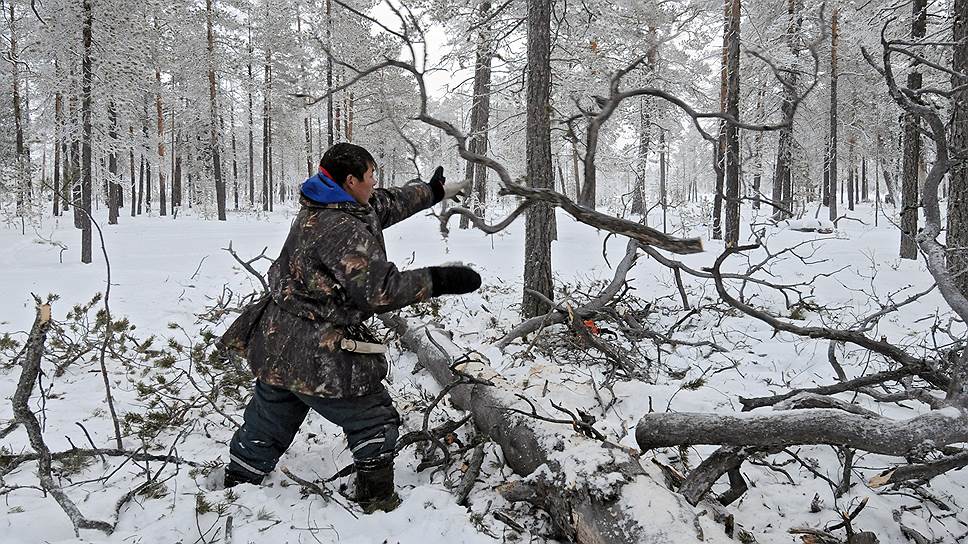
(323, 190)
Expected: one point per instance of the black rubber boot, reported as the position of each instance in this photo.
(374, 484)
(235, 475)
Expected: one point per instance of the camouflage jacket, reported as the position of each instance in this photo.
(331, 275)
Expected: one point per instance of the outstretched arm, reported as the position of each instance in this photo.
(398, 203)
(374, 284)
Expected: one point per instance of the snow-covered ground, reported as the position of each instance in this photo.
(166, 271)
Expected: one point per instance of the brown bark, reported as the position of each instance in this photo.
(720, 152)
(480, 113)
(159, 112)
(87, 77)
(956, 237)
(177, 190)
(663, 191)
(131, 186)
(349, 119)
(266, 131)
(832, 184)
(731, 133)
(537, 253)
(213, 109)
(642, 159)
(58, 138)
(235, 158)
(851, 173)
(783, 174)
(574, 168)
(113, 179)
(329, 73)
(249, 87)
(22, 173)
(912, 149)
(758, 151)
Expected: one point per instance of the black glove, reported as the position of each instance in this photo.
(437, 184)
(453, 280)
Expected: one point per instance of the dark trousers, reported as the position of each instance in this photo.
(274, 414)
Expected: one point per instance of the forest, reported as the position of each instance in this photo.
(722, 249)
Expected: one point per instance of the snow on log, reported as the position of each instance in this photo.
(808, 426)
(595, 492)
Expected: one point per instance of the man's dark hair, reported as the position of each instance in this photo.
(344, 159)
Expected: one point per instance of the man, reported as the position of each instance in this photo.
(306, 342)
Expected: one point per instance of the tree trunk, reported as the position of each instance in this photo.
(76, 181)
(731, 132)
(282, 175)
(783, 172)
(338, 118)
(159, 111)
(113, 181)
(578, 513)
(266, 161)
(802, 426)
(538, 229)
(235, 157)
(132, 187)
(307, 116)
(864, 189)
(309, 146)
(58, 137)
(21, 171)
(213, 109)
(141, 184)
(177, 190)
(851, 172)
(912, 149)
(832, 189)
(480, 113)
(251, 84)
(349, 119)
(65, 174)
(574, 168)
(663, 191)
(87, 77)
(642, 159)
(956, 237)
(329, 73)
(758, 151)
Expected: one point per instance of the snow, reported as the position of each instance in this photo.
(168, 270)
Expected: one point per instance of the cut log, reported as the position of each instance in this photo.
(810, 426)
(594, 492)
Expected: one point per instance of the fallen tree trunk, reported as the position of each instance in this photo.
(33, 353)
(595, 492)
(810, 426)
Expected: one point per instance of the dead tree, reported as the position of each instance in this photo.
(580, 511)
(926, 442)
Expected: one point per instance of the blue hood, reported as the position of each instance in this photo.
(323, 190)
